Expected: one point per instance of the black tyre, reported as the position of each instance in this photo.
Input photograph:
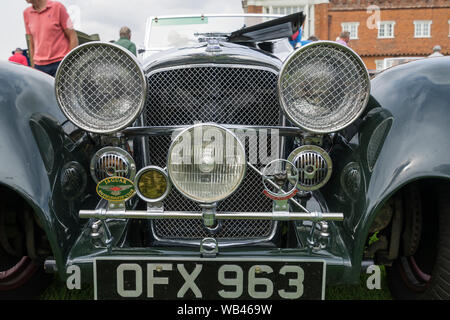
(423, 273)
(23, 248)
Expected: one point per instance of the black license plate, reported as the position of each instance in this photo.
(208, 278)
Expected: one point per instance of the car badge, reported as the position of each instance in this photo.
(213, 45)
(280, 178)
(116, 189)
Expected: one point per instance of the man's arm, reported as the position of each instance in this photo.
(31, 49)
(72, 36)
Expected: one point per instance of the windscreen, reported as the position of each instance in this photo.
(179, 32)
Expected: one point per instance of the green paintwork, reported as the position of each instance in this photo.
(34, 149)
(413, 98)
(416, 97)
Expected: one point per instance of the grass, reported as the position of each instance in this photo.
(58, 291)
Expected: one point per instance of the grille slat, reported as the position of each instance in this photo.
(227, 95)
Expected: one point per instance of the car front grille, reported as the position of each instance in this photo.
(221, 94)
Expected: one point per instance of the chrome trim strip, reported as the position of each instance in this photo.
(215, 65)
(168, 130)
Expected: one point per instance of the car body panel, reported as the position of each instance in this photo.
(399, 139)
(414, 97)
(32, 152)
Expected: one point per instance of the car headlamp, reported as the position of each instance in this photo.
(206, 163)
(100, 87)
(152, 184)
(324, 86)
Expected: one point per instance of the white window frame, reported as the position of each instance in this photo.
(449, 28)
(422, 23)
(277, 9)
(347, 26)
(382, 26)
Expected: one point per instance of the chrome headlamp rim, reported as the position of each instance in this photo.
(296, 52)
(160, 170)
(142, 76)
(121, 152)
(244, 172)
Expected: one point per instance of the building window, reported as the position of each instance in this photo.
(386, 29)
(422, 29)
(351, 27)
(286, 10)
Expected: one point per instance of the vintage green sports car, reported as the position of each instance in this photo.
(214, 167)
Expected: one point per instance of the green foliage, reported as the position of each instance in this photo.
(360, 291)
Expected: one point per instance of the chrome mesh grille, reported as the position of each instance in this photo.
(224, 95)
(100, 87)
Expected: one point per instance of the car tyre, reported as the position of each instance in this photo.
(426, 273)
(22, 275)
(25, 280)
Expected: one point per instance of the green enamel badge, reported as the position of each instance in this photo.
(115, 189)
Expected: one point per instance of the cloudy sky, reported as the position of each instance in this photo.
(105, 17)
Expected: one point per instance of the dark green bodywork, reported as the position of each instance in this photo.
(402, 137)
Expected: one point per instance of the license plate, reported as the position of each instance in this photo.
(208, 278)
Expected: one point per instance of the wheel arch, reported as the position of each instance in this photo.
(430, 184)
(40, 213)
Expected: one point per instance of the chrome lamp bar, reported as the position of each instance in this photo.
(103, 213)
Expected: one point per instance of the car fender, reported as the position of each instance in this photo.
(31, 150)
(404, 137)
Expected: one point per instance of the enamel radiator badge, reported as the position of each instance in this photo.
(115, 189)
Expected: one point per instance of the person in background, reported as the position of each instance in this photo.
(344, 38)
(124, 41)
(436, 52)
(18, 57)
(296, 39)
(51, 34)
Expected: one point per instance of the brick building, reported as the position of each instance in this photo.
(286, 7)
(379, 28)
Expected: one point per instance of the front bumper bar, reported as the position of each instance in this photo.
(103, 213)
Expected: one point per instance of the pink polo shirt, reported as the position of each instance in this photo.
(47, 28)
